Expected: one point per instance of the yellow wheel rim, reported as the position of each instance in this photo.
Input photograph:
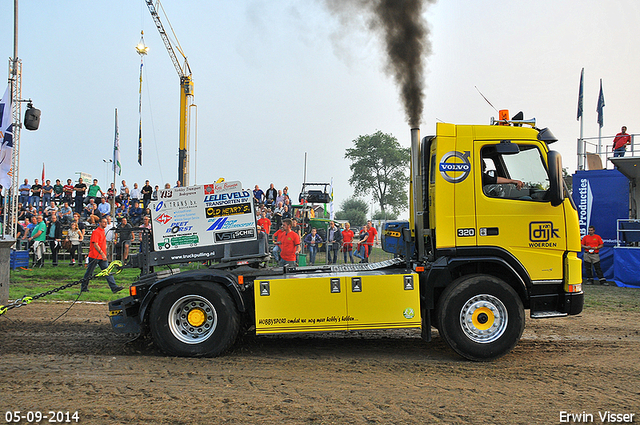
(192, 319)
(483, 318)
(196, 317)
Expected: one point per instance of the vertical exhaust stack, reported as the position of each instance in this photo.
(404, 31)
(416, 205)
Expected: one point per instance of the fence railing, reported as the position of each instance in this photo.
(628, 233)
(603, 148)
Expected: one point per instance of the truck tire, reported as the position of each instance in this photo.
(480, 317)
(194, 320)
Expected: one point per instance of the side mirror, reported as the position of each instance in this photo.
(545, 135)
(556, 186)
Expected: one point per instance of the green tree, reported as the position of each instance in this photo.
(379, 166)
(379, 215)
(354, 210)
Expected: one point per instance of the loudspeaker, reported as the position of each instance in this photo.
(32, 118)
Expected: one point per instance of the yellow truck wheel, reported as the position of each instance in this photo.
(194, 319)
(480, 317)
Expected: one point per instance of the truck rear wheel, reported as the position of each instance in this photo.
(194, 320)
(480, 317)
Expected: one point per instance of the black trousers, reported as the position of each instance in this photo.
(55, 248)
(589, 271)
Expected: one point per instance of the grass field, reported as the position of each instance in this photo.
(611, 298)
(35, 281)
(31, 282)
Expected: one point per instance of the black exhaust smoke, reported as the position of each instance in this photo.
(405, 33)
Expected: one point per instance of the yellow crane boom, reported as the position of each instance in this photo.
(186, 95)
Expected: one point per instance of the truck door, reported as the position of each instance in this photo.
(520, 220)
(300, 304)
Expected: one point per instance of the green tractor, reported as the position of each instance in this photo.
(310, 217)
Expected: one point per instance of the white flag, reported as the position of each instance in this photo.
(116, 149)
(6, 137)
(331, 213)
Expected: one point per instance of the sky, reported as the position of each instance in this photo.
(277, 79)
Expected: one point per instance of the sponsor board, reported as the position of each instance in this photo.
(234, 235)
(197, 216)
(244, 208)
(179, 242)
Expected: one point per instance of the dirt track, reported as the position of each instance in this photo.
(585, 363)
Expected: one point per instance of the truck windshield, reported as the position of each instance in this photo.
(527, 167)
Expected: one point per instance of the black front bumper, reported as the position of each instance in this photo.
(565, 303)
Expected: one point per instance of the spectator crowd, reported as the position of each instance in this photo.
(291, 230)
(59, 215)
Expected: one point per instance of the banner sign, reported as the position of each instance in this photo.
(205, 215)
(602, 197)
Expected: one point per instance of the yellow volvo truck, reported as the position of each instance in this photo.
(492, 233)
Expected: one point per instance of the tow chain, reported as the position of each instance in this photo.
(114, 268)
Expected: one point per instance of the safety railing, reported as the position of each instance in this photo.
(628, 233)
(602, 148)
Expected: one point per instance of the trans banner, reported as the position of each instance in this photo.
(200, 216)
(602, 197)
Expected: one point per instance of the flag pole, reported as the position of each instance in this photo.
(112, 201)
(115, 165)
(581, 147)
(599, 140)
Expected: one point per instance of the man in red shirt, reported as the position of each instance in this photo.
(289, 243)
(67, 190)
(265, 223)
(373, 238)
(98, 257)
(347, 239)
(276, 248)
(620, 143)
(591, 245)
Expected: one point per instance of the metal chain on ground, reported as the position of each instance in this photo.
(114, 268)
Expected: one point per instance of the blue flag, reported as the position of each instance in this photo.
(140, 112)
(140, 143)
(580, 95)
(600, 108)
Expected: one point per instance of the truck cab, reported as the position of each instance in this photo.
(494, 229)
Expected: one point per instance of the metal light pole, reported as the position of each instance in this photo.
(106, 169)
(106, 181)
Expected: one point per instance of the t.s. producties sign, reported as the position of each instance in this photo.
(197, 216)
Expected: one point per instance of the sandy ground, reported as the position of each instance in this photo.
(588, 363)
